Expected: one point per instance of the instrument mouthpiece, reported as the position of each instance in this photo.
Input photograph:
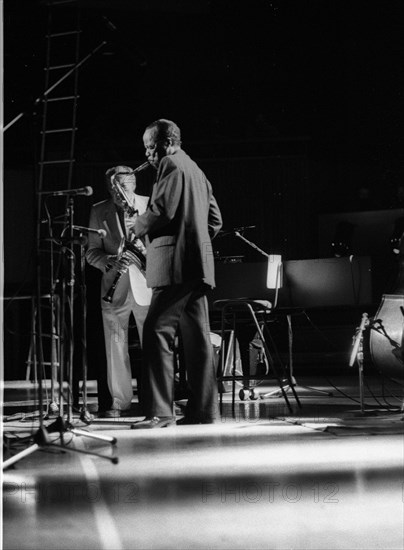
(141, 167)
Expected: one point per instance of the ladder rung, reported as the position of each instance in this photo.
(62, 98)
(55, 336)
(67, 66)
(53, 35)
(56, 161)
(58, 130)
(47, 363)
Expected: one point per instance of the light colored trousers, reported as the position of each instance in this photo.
(116, 322)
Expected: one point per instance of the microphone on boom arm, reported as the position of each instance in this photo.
(87, 191)
(235, 230)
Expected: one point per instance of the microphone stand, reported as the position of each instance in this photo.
(60, 424)
(70, 283)
(357, 354)
(240, 236)
(41, 437)
(54, 301)
(46, 92)
(85, 416)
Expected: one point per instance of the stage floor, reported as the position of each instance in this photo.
(326, 475)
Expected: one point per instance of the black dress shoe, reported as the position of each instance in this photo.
(155, 422)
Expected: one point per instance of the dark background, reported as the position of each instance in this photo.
(319, 81)
(330, 71)
(290, 107)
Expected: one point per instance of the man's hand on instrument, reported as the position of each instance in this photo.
(130, 224)
(120, 263)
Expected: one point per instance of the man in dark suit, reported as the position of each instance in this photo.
(182, 218)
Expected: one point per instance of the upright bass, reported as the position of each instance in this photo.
(386, 334)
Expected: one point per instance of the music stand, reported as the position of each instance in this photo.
(262, 308)
(275, 282)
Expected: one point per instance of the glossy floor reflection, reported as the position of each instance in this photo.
(326, 476)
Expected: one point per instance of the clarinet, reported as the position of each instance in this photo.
(133, 251)
(110, 294)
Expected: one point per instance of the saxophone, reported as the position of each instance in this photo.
(134, 251)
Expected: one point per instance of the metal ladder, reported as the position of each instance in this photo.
(55, 171)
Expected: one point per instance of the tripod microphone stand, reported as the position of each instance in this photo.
(41, 437)
(61, 424)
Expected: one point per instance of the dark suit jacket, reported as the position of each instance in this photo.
(182, 218)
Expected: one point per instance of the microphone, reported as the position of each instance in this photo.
(87, 191)
(224, 233)
(239, 229)
(101, 232)
(235, 230)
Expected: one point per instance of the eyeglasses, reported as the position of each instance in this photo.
(124, 173)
